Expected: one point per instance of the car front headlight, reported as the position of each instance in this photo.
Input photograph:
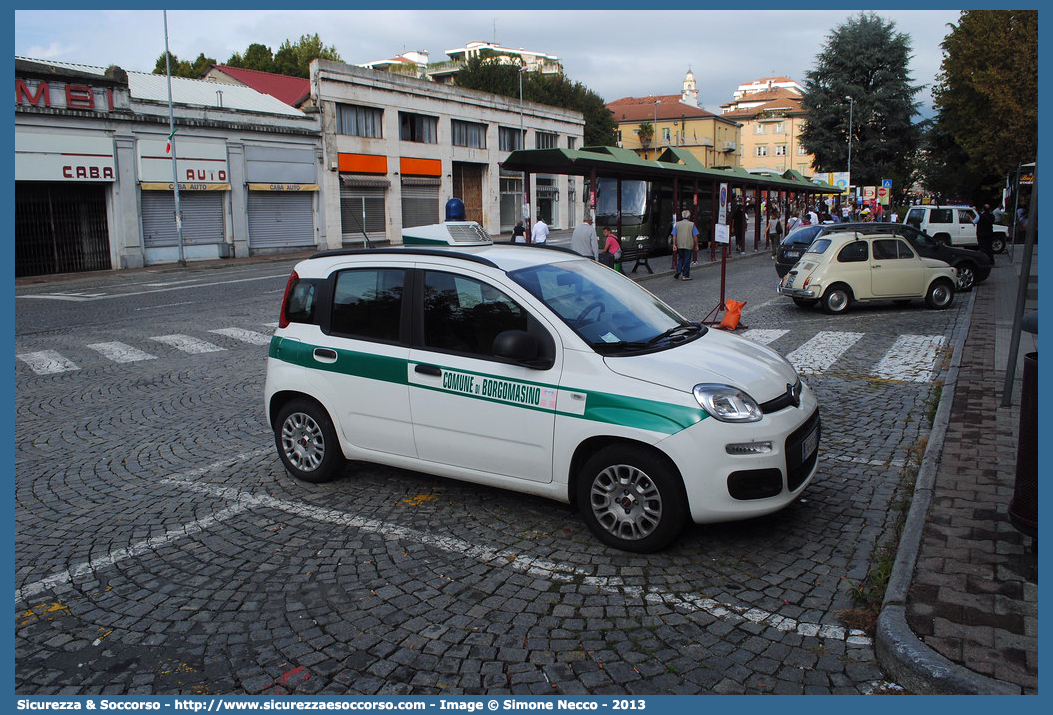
(727, 403)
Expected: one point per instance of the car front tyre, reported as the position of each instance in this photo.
(966, 277)
(306, 442)
(940, 294)
(837, 299)
(631, 499)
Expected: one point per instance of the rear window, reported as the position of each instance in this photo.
(802, 236)
(820, 246)
(367, 303)
(303, 296)
(941, 216)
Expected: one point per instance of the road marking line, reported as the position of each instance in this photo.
(764, 336)
(912, 358)
(120, 352)
(520, 561)
(47, 362)
(246, 336)
(141, 547)
(99, 296)
(823, 350)
(188, 344)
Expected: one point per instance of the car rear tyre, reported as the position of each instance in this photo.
(943, 238)
(631, 499)
(966, 277)
(998, 243)
(805, 302)
(940, 294)
(306, 442)
(837, 299)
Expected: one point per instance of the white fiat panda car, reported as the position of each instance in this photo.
(533, 369)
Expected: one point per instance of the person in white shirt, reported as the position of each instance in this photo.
(540, 232)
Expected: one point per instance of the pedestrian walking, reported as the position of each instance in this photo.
(985, 232)
(584, 240)
(685, 234)
(738, 222)
(540, 232)
(519, 233)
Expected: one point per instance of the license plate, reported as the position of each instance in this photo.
(793, 254)
(809, 445)
(789, 281)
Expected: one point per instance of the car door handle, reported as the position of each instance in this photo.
(428, 370)
(325, 355)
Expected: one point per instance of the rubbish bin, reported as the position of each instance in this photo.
(1023, 509)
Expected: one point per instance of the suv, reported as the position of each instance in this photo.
(952, 225)
(973, 266)
(533, 369)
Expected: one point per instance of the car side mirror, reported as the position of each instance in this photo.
(521, 347)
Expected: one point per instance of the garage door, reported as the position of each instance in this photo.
(202, 218)
(281, 220)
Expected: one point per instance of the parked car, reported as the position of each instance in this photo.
(842, 268)
(973, 266)
(533, 369)
(952, 225)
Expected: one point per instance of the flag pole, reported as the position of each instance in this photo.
(172, 145)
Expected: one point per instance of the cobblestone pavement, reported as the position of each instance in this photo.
(161, 548)
(974, 595)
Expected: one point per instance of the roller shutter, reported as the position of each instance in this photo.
(202, 218)
(281, 219)
(420, 201)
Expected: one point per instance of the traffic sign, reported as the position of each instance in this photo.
(886, 183)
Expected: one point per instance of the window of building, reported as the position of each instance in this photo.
(545, 140)
(762, 150)
(357, 121)
(468, 134)
(777, 128)
(572, 142)
(780, 150)
(509, 139)
(418, 128)
(758, 128)
(665, 134)
(801, 151)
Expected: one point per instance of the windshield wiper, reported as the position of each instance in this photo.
(677, 331)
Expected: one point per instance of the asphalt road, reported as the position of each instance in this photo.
(162, 549)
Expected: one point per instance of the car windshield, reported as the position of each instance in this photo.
(819, 246)
(609, 311)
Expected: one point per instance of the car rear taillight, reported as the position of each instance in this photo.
(283, 321)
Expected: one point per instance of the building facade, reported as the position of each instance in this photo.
(770, 112)
(95, 180)
(396, 148)
(713, 139)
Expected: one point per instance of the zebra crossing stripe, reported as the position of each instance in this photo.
(823, 350)
(912, 358)
(120, 352)
(245, 336)
(47, 362)
(188, 344)
(764, 336)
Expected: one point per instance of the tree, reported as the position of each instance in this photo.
(257, 57)
(645, 133)
(986, 99)
(498, 76)
(867, 60)
(295, 60)
(290, 59)
(182, 68)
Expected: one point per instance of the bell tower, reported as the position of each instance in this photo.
(689, 95)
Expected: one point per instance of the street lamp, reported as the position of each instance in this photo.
(850, 103)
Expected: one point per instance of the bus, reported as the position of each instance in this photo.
(647, 213)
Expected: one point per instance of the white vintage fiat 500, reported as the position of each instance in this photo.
(839, 269)
(536, 370)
